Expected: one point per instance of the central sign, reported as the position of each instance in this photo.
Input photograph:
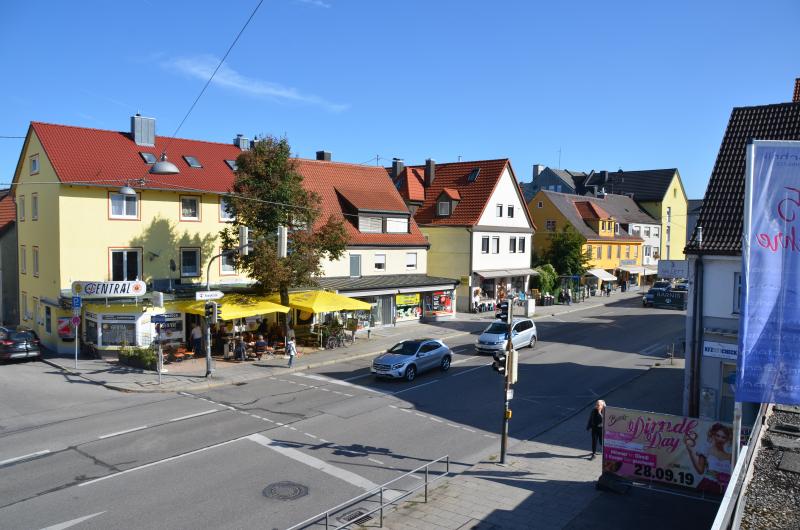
(208, 295)
(109, 289)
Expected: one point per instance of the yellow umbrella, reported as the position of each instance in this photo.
(322, 302)
(232, 306)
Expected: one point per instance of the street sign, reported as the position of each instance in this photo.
(509, 394)
(76, 311)
(208, 295)
(76, 321)
(158, 319)
(76, 302)
(124, 289)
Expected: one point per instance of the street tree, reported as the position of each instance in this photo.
(565, 252)
(268, 193)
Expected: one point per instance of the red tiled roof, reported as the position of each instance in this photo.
(474, 195)
(8, 209)
(365, 187)
(588, 210)
(110, 158)
(453, 194)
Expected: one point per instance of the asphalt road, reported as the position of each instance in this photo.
(77, 455)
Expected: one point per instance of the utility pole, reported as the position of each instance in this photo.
(506, 364)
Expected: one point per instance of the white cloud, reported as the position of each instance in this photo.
(318, 3)
(203, 66)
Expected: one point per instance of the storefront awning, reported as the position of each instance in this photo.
(232, 306)
(506, 273)
(601, 274)
(642, 270)
(323, 302)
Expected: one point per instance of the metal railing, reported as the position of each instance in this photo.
(381, 501)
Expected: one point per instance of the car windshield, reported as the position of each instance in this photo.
(497, 328)
(21, 335)
(660, 285)
(408, 347)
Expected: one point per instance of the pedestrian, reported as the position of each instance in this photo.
(608, 289)
(197, 339)
(595, 424)
(291, 351)
(240, 350)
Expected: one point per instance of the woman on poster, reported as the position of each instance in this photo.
(712, 460)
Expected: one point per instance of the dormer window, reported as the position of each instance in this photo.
(443, 208)
(149, 158)
(370, 225)
(192, 161)
(232, 164)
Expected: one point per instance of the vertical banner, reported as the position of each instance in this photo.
(769, 327)
(677, 450)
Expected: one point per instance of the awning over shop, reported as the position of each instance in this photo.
(601, 274)
(232, 306)
(323, 302)
(504, 273)
(642, 270)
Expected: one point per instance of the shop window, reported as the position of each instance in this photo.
(190, 262)
(737, 292)
(126, 264)
(411, 260)
(521, 245)
(485, 245)
(190, 208)
(495, 245)
(380, 262)
(225, 213)
(124, 206)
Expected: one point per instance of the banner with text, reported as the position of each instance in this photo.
(677, 450)
(769, 327)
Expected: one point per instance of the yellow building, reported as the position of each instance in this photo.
(608, 226)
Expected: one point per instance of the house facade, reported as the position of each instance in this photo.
(715, 262)
(474, 217)
(88, 210)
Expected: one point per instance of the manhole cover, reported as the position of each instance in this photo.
(355, 516)
(285, 491)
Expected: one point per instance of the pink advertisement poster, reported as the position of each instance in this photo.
(677, 450)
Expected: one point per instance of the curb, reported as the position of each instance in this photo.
(214, 383)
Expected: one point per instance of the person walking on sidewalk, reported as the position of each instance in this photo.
(291, 350)
(197, 339)
(595, 424)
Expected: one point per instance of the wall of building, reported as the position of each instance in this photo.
(629, 252)
(9, 276)
(395, 259)
(449, 257)
(676, 200)
(654, 242)
(506, 193)
(504, 259)
(540, 216)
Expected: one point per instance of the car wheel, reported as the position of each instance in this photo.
(411, 373)
(445, 363)
(533, 342)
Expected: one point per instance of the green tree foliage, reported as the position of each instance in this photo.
(267, 193)
(546, 278)
(565, 252)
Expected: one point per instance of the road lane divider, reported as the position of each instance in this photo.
(197, 414)
(23, 457)
(126, 431)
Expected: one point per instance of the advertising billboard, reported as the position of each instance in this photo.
(676, 450)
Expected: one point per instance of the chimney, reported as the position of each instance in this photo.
(796, 98)
(325, 156)
(241, 142)
(537, 170)
(604, 177)
(397, 167)
(143, 130)
(430, 172)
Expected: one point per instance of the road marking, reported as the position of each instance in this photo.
(257, 417)
(24, 457)
(468, 430)
(470, 370)
(67, 524)
(420, 415)
(279, 424)
(111, 435)
(650, 350)
(437, 420)
(333, 381)
(392, 407)
(454, 425)
(341, 474)
(170, 459)
(376, 461)
(406, 410)
(198, 414)
(292, 428)
(310, 435)
(323, 440)
(415, 387)
(267, 419)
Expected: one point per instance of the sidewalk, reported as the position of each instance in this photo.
(189, 375)
(548, 482)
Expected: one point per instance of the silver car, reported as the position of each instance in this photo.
(411, 357)
(493, 338)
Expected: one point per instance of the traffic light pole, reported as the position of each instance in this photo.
(507, 385)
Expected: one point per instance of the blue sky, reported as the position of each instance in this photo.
(625, 84)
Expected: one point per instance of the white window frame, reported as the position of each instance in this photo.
(21, 208)
(510, 211)
(126, 201)
(599, 251)
(636, 251)
(397, 225)
(647, 251)
(499, 210)
(737, 292)
(369, 224)
(540, 204)
(411, 260)
(495, 245)
(23, 259)
(125, 262)
(24, 301)
(380, 262)
(443, 208)
(226, 268)
(655, 231)
(646, 231)
(485, 239)
(199, 264)
(521, 244)
(34, 206)
(194, 198)
(34, 164)
(35, 259)
(590, 250)
(512, 245)
(224, 214)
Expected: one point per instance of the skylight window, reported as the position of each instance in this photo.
(474, 174)
(192, 161)
(149, 158)
(231, 164)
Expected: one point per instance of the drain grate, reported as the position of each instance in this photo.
(285, 491)
(355, 516)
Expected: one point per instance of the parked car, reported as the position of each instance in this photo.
(494, 338)
(681, 287)
(662, 285)
(408, 358)
(18, 343)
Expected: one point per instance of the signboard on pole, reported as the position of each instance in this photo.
(678, 450)
(673, 268)
(208, 295)
(76, 321)
(769, 327)
(76, 302)
(109, 289)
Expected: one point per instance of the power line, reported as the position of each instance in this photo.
(9, 137)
